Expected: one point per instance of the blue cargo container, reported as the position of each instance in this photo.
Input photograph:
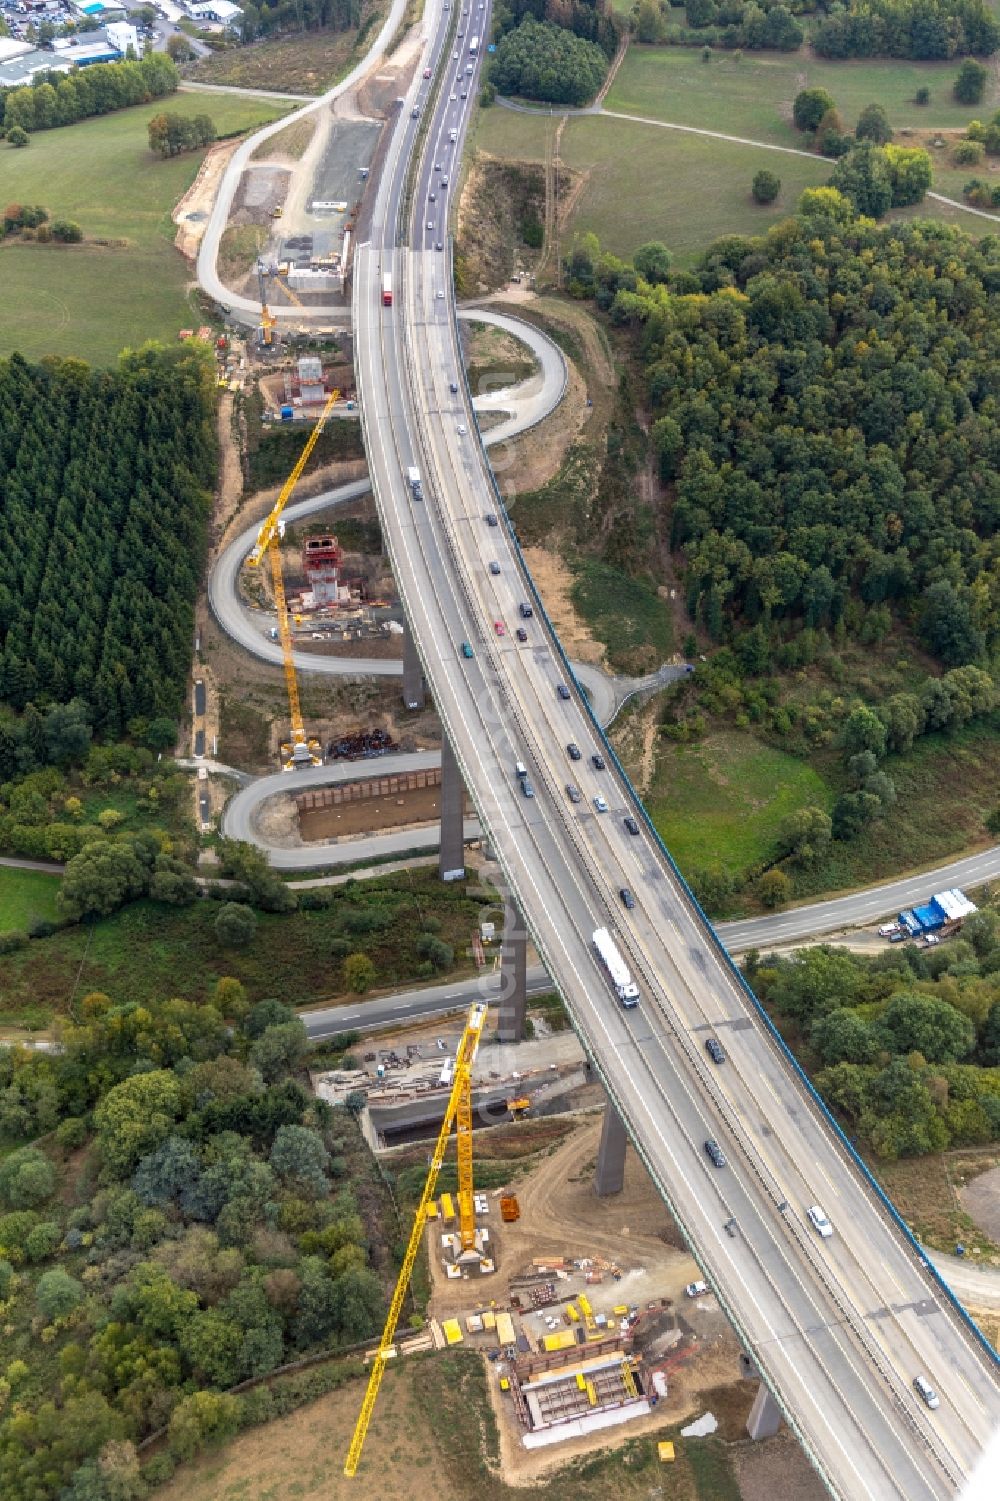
(286, 414)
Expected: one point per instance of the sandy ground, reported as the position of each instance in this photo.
(561, 1216)
(554, 581)
(980, 1198)
(777, 1468)
(191, 212)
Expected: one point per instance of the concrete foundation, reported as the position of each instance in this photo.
(414, 691)
(513, 974)
(765, 1415)
(451, 861)
(610, 1175)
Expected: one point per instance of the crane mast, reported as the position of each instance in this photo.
(461, 1090)
(300, 750)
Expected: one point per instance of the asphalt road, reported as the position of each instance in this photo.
(840, 1327)
(860, 907)
(208, 253)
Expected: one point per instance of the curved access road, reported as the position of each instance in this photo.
(529, 402)
(208, 253)
(239, 820)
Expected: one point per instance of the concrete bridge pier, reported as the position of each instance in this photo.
(610, 1175)
(513, 973)
(451, 860)
(765, 1415)
(414, 689)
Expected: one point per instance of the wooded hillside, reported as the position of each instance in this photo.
(103, 496)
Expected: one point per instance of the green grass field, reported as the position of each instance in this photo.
(626, 614)
(91, 301)
(724, 798)
(25, 895)
(752, 96)
(645, 183)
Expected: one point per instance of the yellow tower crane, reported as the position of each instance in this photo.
(299, 751)
(458, 1101)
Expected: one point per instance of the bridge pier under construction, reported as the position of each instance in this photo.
(609, 1177)
(414, 687)
(513, 973)
(451, 860)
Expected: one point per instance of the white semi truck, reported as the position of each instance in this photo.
(625, 987)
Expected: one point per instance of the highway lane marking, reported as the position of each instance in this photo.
(585, 990)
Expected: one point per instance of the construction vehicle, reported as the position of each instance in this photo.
(510, 1209)
(519, 1107)
(300, 750)
(459, 1109)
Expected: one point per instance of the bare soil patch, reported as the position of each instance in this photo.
(409, 809)
(554, 581)
(777, 1468)
(192, 211)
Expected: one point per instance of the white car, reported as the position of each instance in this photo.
(600, 804)
(819, 1221)
(696, 1289)
(887, 928)
(931, 940)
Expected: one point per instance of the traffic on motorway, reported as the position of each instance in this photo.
(849, 1327)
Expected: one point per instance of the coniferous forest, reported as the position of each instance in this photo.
(104, 481)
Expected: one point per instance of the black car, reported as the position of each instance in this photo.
(490, 519)
(572, 792)
(627, 898)
(631, 825)
(562, 690)
(715, 1050)
(715, 1153)
(453, 388)
(526, 612)
(573, 751)
(597, 761)
(521, 633)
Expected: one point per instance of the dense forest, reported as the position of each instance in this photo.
(824, 407)
(103, 491)
(541, 61)
(592, 20)
(187, 1217)
(906, 1046)
(53, 99)
(262, 18)
(920, 29)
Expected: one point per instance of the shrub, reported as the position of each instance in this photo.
(873, 125)
(235, 925)
(970, 85)
(969, 153)
(765, 187)
(17, 137)
(359, 973)
(69, 233)
(57, 1294)
(810, 106)
(922, 96)
(42, 1241)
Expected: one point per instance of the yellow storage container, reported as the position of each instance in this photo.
(581, 1381)
(447, 1208)
(621, 1311)
(591, 1394)
(572, 1314)
(665, 1449)
(432, 1210)
(489, 1319)
(563, 1339)
(452, 1331)
(504, 1384)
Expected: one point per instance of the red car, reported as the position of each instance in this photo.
(499, 627)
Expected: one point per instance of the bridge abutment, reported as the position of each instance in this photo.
(513, 973)
(610, 1175)
(451, 860)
